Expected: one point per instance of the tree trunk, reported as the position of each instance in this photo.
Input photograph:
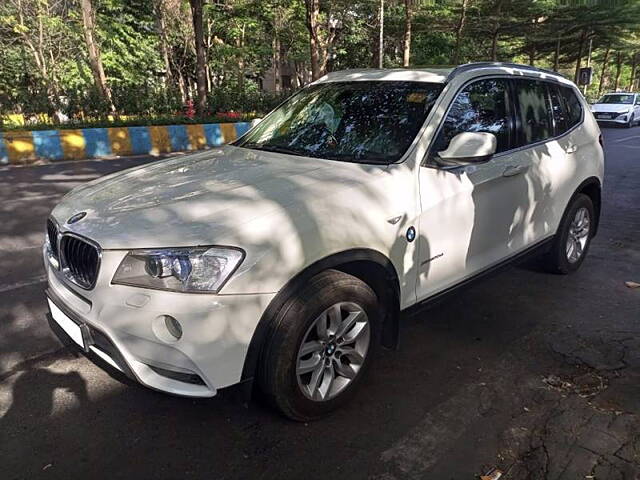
(277, 74)
(459, 29)
(583, 38)
(556, 56)
(95, 60)
(201, 57)
(494, 44)
(634, 67)
(496, 31)
(406, 41)
(381, 36)
(313, 12)
(532, 56)
(603, 73)
(240, 46)
(618, 70)
(165, 51)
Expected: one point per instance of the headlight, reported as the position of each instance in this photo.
(194, 270)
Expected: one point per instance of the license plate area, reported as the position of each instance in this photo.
(604, 116)
(76, 331)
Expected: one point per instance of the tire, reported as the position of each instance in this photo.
(559, 260)
(299, 322)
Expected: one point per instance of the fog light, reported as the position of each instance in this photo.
(173, 326)
(167, 328)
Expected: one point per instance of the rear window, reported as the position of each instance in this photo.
(574, 107)
(558, 110)
(534, 113)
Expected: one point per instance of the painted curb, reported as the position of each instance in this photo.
(23, 147)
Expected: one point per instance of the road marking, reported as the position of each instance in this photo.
(25, 283)
(620, 140)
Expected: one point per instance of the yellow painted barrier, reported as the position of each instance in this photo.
(160, 142)
(19, 146)
(73, 143)
(197, 140)
(228, 132)
(120, 140)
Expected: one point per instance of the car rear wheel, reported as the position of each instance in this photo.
(320, 345)
(573, 238)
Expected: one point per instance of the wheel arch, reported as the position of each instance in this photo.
(592, 188)
(370, 266)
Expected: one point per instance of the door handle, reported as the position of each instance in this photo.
(513, 170)
(571, 149)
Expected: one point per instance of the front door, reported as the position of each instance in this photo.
(468, 214)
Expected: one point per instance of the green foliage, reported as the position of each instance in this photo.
(148, 52)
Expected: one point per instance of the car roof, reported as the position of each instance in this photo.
(438, 75)
(431, 75)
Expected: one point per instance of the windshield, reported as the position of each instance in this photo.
(626, 99)
(364, 122)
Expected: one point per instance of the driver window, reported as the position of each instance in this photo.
(482, 106)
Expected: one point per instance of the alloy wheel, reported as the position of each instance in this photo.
(578, 235)
(333, 351)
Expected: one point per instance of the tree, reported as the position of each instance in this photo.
(201, 55)
(95, 60)
(603, 72)
(462, 17)
(406, 39)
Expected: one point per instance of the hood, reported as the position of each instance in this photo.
(611, 107)
(200, 198)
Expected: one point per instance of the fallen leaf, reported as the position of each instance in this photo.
(494, 474)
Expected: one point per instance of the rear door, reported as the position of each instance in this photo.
(539, 157)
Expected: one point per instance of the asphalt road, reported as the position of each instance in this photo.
(536, 374)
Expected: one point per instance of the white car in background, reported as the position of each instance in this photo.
(286, 257)
(618, 108)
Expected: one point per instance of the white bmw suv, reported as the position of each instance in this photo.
(284, 259)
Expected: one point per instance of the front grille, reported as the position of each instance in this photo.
(608, 115)
(80, 260)
(52, 234)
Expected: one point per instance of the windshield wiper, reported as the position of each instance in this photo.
(273, 148)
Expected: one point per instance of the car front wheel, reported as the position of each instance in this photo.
(320, 345)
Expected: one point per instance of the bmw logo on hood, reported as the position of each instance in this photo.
(76, 218)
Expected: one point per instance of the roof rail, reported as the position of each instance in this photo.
(477, 65)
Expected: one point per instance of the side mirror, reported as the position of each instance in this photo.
(255, 122)
(468, 148)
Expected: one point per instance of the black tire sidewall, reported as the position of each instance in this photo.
(279, 380)
(559, 255)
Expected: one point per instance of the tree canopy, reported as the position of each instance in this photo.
(93, 58)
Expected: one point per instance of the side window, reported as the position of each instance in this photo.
(482, 106)
(558, 110)
(574, 107)
(533, 111)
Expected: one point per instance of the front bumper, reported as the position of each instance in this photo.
(621, 119)
(122, 326)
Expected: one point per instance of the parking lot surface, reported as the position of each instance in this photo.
(537, 375)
